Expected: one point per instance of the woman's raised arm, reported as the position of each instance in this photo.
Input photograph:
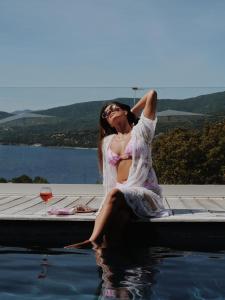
(148, 104)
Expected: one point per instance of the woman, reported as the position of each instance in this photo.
(130, 183)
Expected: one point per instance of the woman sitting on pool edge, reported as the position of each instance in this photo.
(130, 184)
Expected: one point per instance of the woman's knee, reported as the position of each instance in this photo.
(115, 197)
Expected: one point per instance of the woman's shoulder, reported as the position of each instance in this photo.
(145, 127)
(107, 139)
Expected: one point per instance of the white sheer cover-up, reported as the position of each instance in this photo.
(141, 190)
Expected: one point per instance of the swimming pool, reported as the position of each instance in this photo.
(134, 273)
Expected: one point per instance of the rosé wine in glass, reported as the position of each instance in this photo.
(46, 195)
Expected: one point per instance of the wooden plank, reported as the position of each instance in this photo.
(22, 205)
(65, 202)
(214, 204)
(185, 202)
(38, 207)
(82, 200)
(30, 205)
(196, 204)
(16, 203)
(166, 203)
(176, 202)
(193, 203)
(75, 201)
(9, 198)
(178, 206)
(34, 203)
(205, 190)
(3, 199)
(95, 202)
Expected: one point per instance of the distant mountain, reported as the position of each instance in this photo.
(176, 113)
(4, 115)
(22, 116)
(85, 115)
(207, 104)
(79, 115)
(18, 112)
(77, 124)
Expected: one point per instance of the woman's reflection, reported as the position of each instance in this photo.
(126, 273)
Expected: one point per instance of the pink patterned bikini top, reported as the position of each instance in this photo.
(114, 158)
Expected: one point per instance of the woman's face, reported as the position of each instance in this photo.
(113, 113)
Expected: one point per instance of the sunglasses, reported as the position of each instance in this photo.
(112, 108)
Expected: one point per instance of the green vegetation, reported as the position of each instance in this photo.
(25, 179)
(206, 104)
(3, 180)
(185, 156)
(76, 125)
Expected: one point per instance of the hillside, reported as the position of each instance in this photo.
(84, 116)
(4, 115)
(207, 104)
(77, 124)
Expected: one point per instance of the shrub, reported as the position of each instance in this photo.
(185, 156)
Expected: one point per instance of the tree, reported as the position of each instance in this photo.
(185, 156)
(22, 179)
(3, 180)
(39, 179)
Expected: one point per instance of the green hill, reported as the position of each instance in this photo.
(77, 124)
(206, 104)
(79, 115)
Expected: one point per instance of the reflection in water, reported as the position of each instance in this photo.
(154, 273)
(126, 273)
(44, 267)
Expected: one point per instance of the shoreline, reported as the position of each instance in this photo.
(42, 146)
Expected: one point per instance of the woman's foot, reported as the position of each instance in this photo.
(83, 245)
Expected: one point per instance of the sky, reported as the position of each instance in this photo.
(116, 44)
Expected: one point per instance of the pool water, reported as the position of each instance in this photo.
(138, 273)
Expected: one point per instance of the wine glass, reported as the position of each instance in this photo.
(46, 195)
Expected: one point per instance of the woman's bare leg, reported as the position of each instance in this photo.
(115, 231)
(116, 211)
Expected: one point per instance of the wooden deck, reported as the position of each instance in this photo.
(197, 220)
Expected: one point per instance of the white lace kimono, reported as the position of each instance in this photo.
(141, 190)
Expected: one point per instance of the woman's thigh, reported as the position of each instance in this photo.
(117, 199)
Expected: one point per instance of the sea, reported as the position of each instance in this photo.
(56, 164)
(155, 273)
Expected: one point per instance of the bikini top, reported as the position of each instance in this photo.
(114, 158)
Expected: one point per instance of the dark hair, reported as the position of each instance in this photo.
(105, 129)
